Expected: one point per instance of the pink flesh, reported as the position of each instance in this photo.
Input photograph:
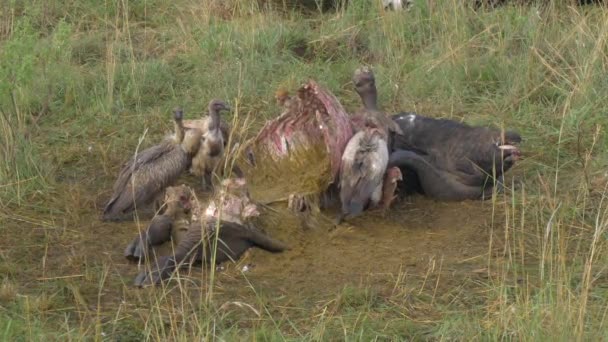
(234, 209)
(251, 210)
(308, 127)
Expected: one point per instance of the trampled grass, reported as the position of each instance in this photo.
(81, 81)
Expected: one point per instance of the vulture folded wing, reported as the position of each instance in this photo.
(141, 169)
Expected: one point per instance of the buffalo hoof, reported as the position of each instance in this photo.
(161, 271)
(138, 249)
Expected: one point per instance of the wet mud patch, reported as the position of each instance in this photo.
(421, 251)
(373, 249)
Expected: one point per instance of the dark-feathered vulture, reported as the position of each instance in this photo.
(145, 176)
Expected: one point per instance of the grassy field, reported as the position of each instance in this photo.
(82, 82)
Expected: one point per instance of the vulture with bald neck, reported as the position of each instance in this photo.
(215, 137)
(143, 179)
(362, 171)
(365, 86)
(441, 158)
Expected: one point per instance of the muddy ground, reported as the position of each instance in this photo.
(420, 246)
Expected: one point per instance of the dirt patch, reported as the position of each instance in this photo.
(67, 252)
(323, 259)
(375, 248)
(422, 253)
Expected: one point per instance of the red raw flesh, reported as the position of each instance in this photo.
(333, 127)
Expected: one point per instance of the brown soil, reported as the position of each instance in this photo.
(420, 244)
(372, 249)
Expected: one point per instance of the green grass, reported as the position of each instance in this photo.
(81, 81)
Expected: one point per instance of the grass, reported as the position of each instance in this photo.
(81, 81)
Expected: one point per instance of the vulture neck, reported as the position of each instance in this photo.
(370, 99)
(214, 120)
(179, 131)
